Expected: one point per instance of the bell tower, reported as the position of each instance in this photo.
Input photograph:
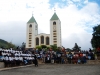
(55, 31)
(31, 32)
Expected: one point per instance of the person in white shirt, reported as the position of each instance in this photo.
(3, 53)
(6, 61)
(13, 61)
(19, 54)
(13, 51)
(16, 60)
(21, 60)
(30, 60)
(10, 61)
(16, 54)
(33, 59)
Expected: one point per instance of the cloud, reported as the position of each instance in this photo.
(76, 24)
(86, 1)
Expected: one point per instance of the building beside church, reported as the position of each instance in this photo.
(34, 39)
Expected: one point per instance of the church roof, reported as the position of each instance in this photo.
(54, 17)
(32, 20)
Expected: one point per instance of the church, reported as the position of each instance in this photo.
(33, 39)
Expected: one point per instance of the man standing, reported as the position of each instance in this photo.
(35, 61)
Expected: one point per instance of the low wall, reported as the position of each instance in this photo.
(40, 62)
(93, 61)
(1, 65)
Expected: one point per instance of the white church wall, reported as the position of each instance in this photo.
(27, 36)
(59, 33)
(39, 36)
(51, 32)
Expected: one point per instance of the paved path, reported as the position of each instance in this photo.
(55, 69)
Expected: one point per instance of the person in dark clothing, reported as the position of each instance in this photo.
(70, 57)
(35, 61)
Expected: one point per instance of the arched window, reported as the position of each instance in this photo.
(47, 40)
(42, 39)
(37, 41)
(54, 23)
(30, 25)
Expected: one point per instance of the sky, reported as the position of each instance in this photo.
(78, 17)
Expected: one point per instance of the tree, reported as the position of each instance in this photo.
(54, 47)
(10, 45)
(43, 46)
(68, 49)
(23, 46)
(5, 44)
(76, 47)
(39, 47)
(95, 41)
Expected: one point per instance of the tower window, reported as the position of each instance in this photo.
(29, 41)
(54, 33)
(30, 25)
(54, 23)
(55, 39)
(54, 36)
(29, 45)
(30, 36)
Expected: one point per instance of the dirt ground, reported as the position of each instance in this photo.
(55, 69)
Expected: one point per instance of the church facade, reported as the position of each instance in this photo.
(34, 39)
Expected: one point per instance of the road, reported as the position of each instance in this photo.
(55, 69)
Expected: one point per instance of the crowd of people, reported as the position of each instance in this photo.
(17, 57)
(13, 58)
(71, 57)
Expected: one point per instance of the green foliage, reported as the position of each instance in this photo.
(95, 41)
(43, 46)
(10, 45)
(5, 44)
(76, 47)
(54, 47)
(39, 47)
(48, 47)
(23, 46)
(68, 49)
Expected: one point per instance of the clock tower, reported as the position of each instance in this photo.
(55, 31)
(31, 32)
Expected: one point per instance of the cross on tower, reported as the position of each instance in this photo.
(32, 12)
(54, 9)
